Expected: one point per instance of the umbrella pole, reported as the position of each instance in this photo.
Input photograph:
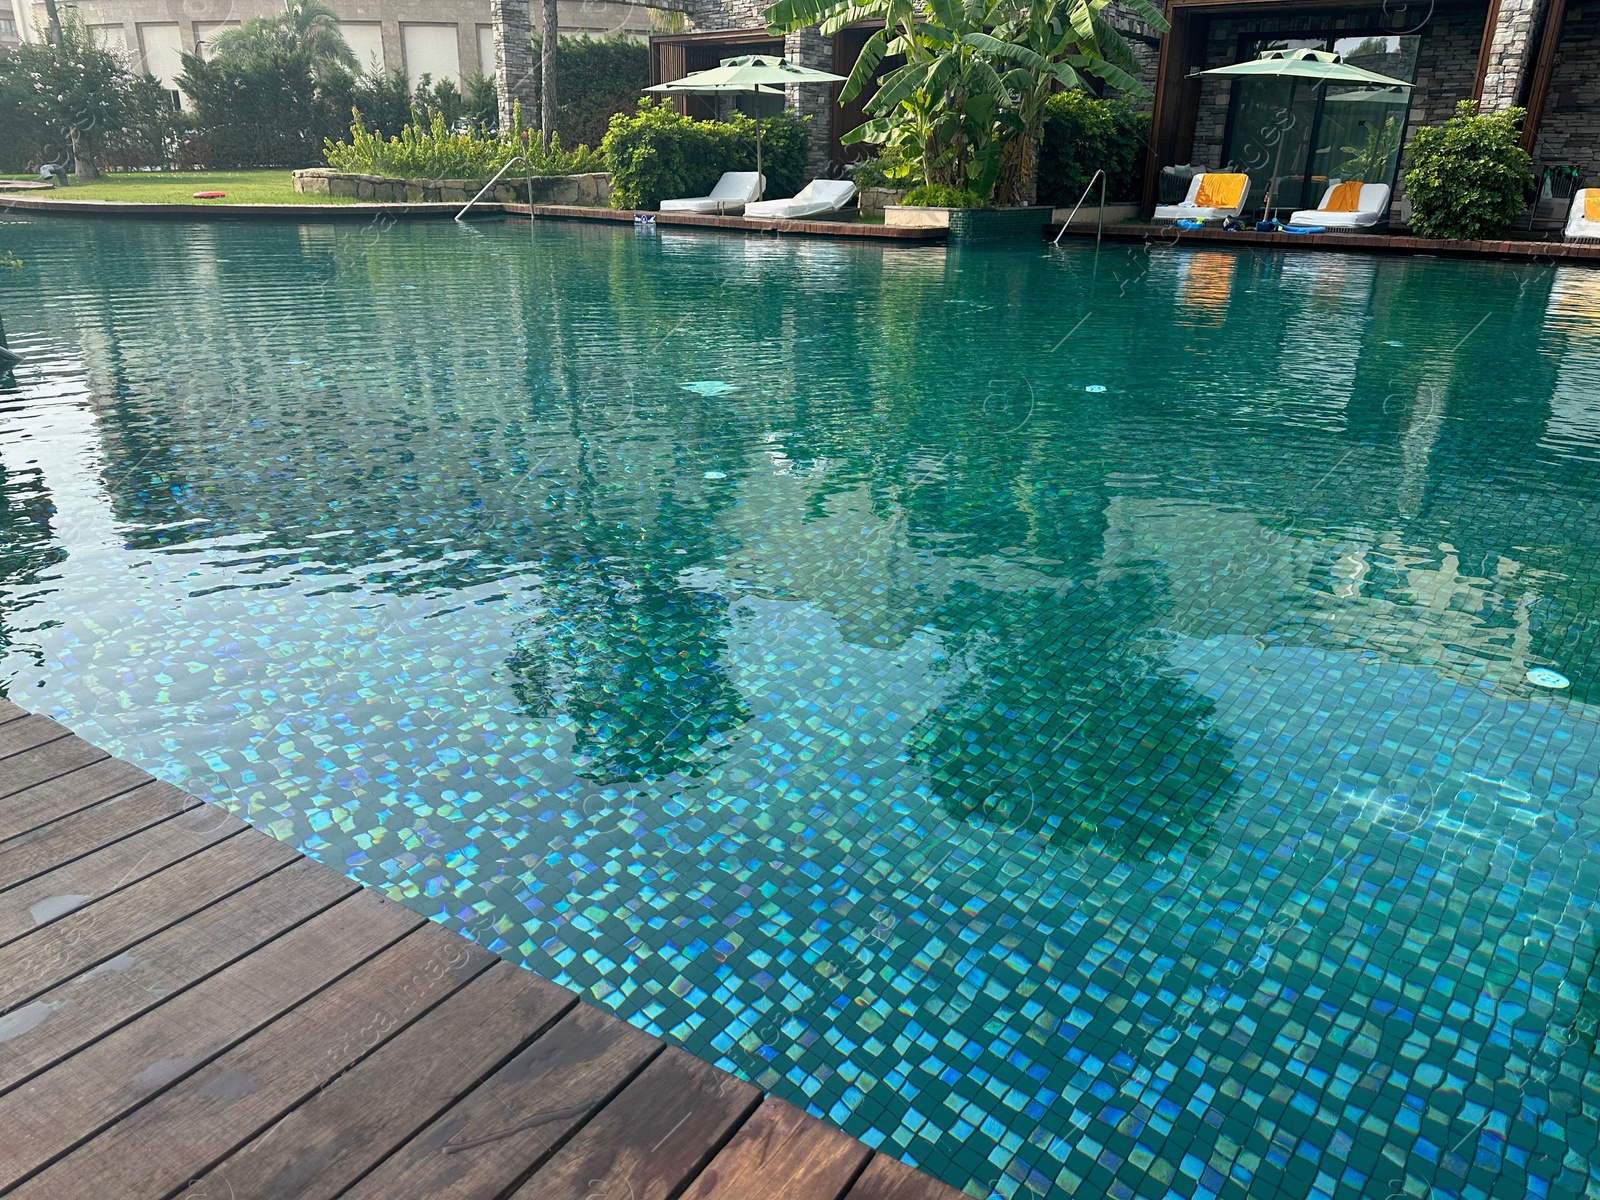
(1283, 136)
(761, 184)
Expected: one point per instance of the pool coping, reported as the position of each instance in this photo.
(1503, 249)
(809, 228)
(430, 1038)
(364, 211)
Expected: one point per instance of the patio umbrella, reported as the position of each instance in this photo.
(1318, 67)
(749, 74)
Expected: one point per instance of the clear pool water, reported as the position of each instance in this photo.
(1064, 721)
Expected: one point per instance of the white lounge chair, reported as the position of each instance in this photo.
(1579, 227)
(733, 191)
(817, 197)
(1192, 210)
(1371, 208)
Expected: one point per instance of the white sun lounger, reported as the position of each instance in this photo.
(1580, 228)
(733, 191)
(817, 197)
(1372, 208)
(1190, 211)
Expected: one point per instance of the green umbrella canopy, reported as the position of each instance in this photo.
(1318, 66)
(749, 73)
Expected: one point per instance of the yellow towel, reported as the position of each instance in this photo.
(1591, 204)
(1345, 197)
(1220, 191)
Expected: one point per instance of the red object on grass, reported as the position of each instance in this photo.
(209, 195)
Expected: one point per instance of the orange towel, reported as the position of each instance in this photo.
(1345, 197)
(1220, 191)
(1591, 204)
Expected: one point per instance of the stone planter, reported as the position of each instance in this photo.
(973, 225)
(587, 191)
(873, 200)
(1089, 214)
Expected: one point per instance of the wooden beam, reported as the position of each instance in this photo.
(1485, 47)
(1173, 94)
(1544, 68)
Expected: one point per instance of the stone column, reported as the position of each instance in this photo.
(513, 59)
(808, 48)
(1511, 53)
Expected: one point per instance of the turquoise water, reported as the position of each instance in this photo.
(1064, 720)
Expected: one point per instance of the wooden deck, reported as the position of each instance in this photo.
(191, 1008)
(846, 228)
(1512, 249)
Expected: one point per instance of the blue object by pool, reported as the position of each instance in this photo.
(1080, 799)
(1189, 223)
(1302, 229)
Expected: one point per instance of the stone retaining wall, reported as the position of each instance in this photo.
(591, 190)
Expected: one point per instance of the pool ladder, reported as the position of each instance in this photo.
(1100, 221)
(519, 158)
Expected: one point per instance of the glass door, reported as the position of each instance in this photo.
(1292, 139)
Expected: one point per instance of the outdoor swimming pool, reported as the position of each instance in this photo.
(1063, 720)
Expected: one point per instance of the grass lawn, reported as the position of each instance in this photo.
(172, 187)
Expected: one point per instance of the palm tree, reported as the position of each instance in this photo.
(308, 28)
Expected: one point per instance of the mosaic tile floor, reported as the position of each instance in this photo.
(1066, 721)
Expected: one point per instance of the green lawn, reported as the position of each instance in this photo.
(171, 187)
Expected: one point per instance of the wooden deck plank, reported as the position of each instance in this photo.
(184, 1132)
(491, 1139)
(69, 1103)
(67, 793)
(46, 762)
(780, 1153)
(50, 896)
(11, 712)
(70, 838)
(75, 1013)
(324, 1146)
(17, 737)
(890, 1179)
(658, 1134)
(92, 935)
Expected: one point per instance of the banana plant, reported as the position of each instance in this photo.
(969, 100)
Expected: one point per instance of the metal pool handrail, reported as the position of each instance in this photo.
(515, 159)
(1100, 221)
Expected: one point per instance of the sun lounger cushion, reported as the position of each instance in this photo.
(1371, 207)
(733, 191)
(817, 197)
(1580, 225)
(1236, 189)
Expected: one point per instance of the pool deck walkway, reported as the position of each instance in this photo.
(191, 1008)
(1514, 249)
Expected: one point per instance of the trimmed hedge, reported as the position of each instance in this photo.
(658, 154)
(1083, 133)
(595, 79)
(933, 195)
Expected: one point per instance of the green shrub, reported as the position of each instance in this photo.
(594, 80)
(263, 111)
(885, 169)
(433, 151)
(1082, 134)
(932, 195)
(658, 153)
(1468, 177)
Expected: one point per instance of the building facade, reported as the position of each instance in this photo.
(445, 39)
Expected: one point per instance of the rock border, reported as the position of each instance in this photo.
(591, 189)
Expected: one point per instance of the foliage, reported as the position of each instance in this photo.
(885, 170)
(658, 153)
(932, 195)
(1083, 134)
(264, 111)
(178, 187)
(596, 79)
(970, 99)
(55, 98)
(1468, 177)
(434, 151)
(308, 29)
(1369, 162)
